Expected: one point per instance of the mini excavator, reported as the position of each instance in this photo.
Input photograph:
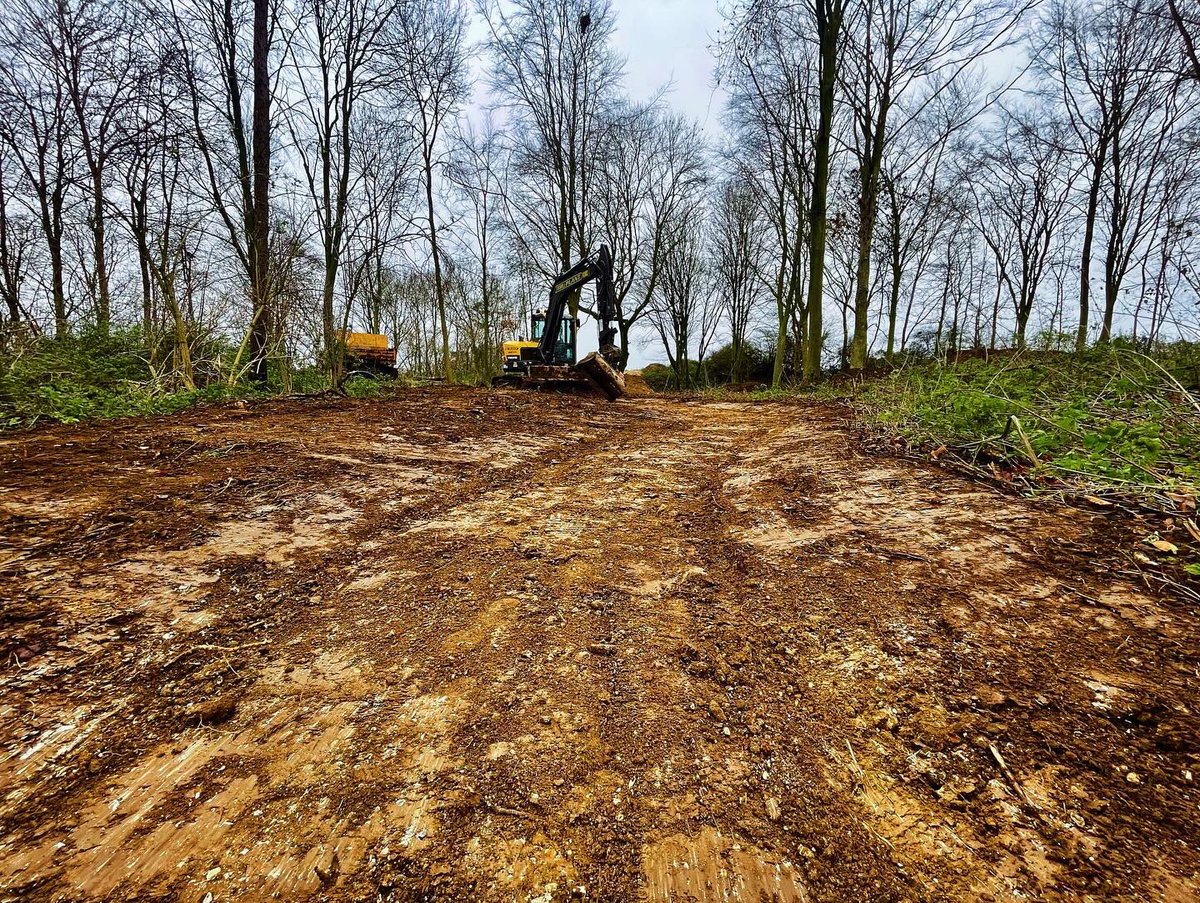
(547, 360)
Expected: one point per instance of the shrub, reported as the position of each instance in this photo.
(85, 375)
(1113, 416)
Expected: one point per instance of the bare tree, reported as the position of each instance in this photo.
(1022, 188)
(738, 243)
(1101, 62)
(681, 298)
(555, 74)
(17, 235)
(340, 48)
(653, 176)
(385, 170)
(35, 117)
(769, 68)
(94, 49)
(217, 70)
(629, 164)
(904, 53)
(478, 175)
(260, 136)
(828, 15)
(430, 69)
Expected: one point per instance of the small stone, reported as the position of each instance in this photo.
(714, 709)
(212, 873)
(216, 711)
(772, 808)
(886, 720)
(1133, 777)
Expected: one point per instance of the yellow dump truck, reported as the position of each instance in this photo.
(368, 352)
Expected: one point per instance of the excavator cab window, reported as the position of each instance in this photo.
(564, 348)
(568, 332)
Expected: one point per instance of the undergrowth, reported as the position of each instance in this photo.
(1111, 418)
(94, 375)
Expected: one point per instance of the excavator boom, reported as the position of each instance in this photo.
(564, 295)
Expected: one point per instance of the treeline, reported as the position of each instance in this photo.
(256, 177)
(978, 171)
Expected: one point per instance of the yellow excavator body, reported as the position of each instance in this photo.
(510, 352)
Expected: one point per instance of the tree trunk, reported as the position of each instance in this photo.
(894, 256)
(1022, 321)
(260, 256)
(1112, 280)
(623, 326)
(57, 291)
(183, 353)
(780, 341)
(103, 297)
(10, 277)
(828, 28)
(868, 208)
(439, 290)
(1089, 235)
(334, 347)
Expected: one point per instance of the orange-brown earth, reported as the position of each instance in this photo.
(499, 646)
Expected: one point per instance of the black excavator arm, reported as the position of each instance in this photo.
(564, 296)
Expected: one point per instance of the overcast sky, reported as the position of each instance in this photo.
(669, 41)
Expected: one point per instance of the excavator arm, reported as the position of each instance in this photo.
(564, 297)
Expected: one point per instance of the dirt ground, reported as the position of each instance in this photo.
(499, 646)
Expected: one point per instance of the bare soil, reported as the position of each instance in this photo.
(501, 646)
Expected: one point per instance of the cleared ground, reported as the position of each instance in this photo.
(500, 646)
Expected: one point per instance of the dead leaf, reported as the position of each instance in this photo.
(1184, 501)
(1098, 502)
(938, 452)
(1193, 529)
(1162, 545)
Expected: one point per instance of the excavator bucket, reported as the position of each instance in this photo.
(603, 378)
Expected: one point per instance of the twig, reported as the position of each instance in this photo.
(892, 553)
(856, 769)
(1009, 776)
(208, 647)
(1026, 444)
(1182, 391)
(507, 810)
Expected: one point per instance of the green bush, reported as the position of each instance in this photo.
(91, 374)
(660, 377)
(1113, 416)
(754, 367)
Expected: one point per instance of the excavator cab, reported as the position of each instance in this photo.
(563, 350)
(516, 356)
